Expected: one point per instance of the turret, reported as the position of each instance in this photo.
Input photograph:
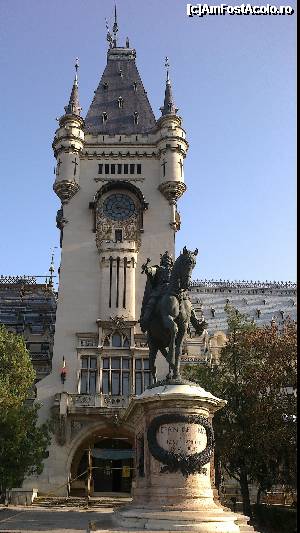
(172, 149)
(67, 145)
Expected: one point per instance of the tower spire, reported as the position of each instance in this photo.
(73, 107)
(115, 28)
(51, 270)
(169, 107)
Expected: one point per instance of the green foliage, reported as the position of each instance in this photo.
(22, 443)
(255, 432)
(16, 371)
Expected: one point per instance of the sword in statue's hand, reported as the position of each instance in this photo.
(144, 266)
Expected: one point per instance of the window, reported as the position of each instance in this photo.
(112, 169)
(100, 168)
(138, 168)
(116, 376)
(142, 375)
(88, 375)
(135, 117)
(120, 102)
(106, 169)
(104, 117)
(116, 340)
(118, 235)
(105, 85)
(125, 169)
(132, 169)
(135, 86)
(119, 169)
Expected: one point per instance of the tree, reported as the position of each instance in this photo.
(23, 443)
(255, 432)
(16, 371)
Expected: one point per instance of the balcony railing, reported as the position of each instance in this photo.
(98, 400)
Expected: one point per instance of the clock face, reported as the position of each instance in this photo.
(119, 207)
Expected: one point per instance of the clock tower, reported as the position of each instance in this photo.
(119, 174)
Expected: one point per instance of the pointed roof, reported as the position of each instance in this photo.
(120, 104)
(169, 107)
(73, 107)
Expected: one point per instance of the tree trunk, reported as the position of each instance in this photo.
(245, 492)
(258, 496)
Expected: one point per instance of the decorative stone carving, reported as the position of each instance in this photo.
(118, 322)
(172, 190)
(65, 190)
(76, 426)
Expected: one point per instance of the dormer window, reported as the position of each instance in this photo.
(120, 73)
(135, 117)
(120, 102)
(105, 85)
(135, 86)
(104, 117)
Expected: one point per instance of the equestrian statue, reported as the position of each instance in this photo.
(167, 310)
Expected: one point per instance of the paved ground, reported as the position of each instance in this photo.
(63, 520)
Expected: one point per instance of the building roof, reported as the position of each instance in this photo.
(120, 104)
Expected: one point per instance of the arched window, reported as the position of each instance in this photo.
(106, 341)
(116, 340)
(125, 342)
(120, 102)
(104, 117)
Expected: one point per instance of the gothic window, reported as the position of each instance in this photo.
(142, 375)
(125, 342)
(116, 376)
(104, 117)
(106, 341)
(135, 86)
(116, 340)
(88, 375)
(105, 85)
(120, 102)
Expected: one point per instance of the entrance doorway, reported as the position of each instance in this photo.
(112, 465)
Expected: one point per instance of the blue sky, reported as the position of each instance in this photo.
(234, 83)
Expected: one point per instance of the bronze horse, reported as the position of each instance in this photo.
(173, 313)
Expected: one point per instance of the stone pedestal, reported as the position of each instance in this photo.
(174, 447)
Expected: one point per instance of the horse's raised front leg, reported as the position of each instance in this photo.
(169, 324)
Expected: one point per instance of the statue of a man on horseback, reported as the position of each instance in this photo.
(167, 310)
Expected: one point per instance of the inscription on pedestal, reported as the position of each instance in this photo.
(183, 439)
(181, 442)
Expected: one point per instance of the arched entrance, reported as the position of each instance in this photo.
(106, 458)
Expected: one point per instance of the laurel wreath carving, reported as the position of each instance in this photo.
(174, 462)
